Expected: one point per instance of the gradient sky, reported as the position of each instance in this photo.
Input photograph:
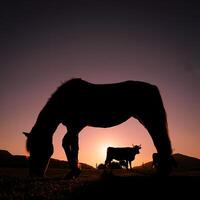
(44, 44)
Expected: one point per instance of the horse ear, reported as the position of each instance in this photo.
(140, 146)
(133, 145)
(26, 134)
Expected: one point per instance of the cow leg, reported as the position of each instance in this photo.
(107, 162)
(126, 164)
(108, 158)
(130, 164)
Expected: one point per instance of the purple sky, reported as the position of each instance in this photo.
(45, 44)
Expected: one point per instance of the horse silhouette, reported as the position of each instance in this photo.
(78, 103)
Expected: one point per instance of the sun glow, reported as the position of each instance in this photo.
(103, 149)
(93, 142)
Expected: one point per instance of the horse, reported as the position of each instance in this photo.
(78, 103)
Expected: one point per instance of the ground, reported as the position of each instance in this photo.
(94, 184)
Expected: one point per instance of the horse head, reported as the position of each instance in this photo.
(40, 150)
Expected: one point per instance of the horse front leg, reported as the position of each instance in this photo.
(71, 147)
(66, 143)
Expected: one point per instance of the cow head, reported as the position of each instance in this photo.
(137, 148)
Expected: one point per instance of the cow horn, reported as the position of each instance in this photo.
(26, 134)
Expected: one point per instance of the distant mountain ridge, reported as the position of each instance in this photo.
(20, 161)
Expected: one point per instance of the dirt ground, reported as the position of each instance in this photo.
(94, 184)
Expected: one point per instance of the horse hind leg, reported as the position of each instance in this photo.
(159, 134)
(156, 124)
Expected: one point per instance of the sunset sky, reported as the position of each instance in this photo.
(45, 44)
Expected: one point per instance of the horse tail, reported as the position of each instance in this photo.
(160, 108)
(154, 118)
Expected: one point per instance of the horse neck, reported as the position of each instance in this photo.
(46, 124)
(44, 129)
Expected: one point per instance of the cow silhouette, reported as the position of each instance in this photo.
(78, 103)
(121, 154)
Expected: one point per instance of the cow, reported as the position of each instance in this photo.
(126, 154)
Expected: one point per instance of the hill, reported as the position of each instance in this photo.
(184, 162)
(187, 162)
(186, 165)
(7, 160)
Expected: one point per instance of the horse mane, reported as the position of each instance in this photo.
(69, 85)
(70, 82)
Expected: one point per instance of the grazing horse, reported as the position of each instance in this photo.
(78, 103)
